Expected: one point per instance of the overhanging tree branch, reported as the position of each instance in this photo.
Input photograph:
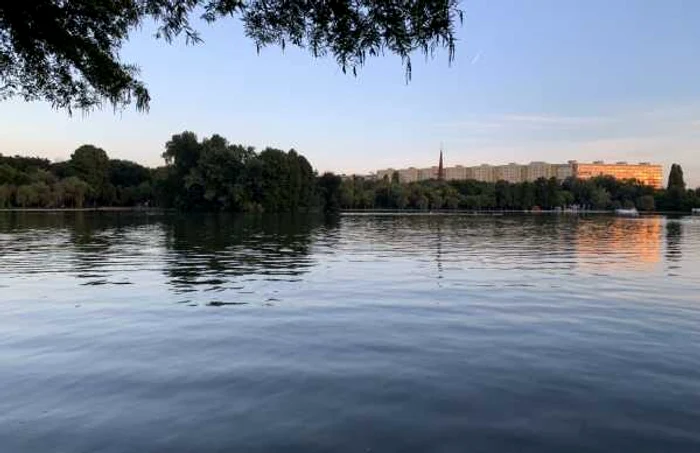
(66, 52)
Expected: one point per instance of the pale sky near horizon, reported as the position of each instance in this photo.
(548, 80)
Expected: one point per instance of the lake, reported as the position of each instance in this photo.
(137, 332)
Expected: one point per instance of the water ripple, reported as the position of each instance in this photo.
(126, 332)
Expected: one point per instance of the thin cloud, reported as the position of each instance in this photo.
(472, 124)
(476, 58)
(547, 120)
(510, 121)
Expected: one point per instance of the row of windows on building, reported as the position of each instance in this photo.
(644, 172)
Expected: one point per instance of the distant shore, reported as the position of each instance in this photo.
(95, 209)
(499, 212)
(472, 212)
(352, 211)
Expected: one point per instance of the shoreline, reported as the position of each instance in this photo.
(468, 212)
(347, 212)
(100, 209)
(498, 212)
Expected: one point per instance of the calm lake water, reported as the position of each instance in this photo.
(367, 333)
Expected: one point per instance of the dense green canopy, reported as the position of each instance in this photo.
(211, 174)
(66, 52)
(601, 193)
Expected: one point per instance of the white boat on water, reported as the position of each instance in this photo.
(627, 212)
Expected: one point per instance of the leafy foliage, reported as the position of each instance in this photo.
(675, 178)
(214, 175)
(211, 175)
(91, 164)
(330, 191)
(598, 193)
(676, 197)
(67, 52)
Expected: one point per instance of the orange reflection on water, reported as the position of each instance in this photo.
(621, 242)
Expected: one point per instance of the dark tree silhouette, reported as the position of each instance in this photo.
(675, 178)
(91, 164)
(66, 52)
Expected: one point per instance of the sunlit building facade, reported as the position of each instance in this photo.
(646, 173)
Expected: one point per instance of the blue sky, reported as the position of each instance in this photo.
(533, 80)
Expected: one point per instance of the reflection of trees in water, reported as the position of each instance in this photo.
(24, 221)
(25, 240)
(86, 243)
(220, 249)
(92, 244)
(193, 249)
(491, 240)
(527, 242)
(674, 236)
(104, 242)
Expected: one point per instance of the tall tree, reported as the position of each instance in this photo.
(67, 52)
(91, 164)
(275, 179)
(182, 151)
(329, 185)
(675, 178)
(301, 180)
(676, 198)
(219, 172)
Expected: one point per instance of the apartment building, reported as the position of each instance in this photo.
(512, 173)
(483, 172)
(644, 172)
(458, 173)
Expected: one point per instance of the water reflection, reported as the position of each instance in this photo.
(536, 243)
(421, 333)
(87, 245)
(220, 252)
(438, 252)
(215, 252)
(618, 243)
(674, 235)
(194, 252)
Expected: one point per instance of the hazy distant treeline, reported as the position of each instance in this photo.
(596, 193)
(215, 175)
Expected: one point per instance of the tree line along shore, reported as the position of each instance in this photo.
(214, 175)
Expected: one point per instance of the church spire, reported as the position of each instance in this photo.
(441, 168)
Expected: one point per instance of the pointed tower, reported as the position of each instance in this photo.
(441, 168)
